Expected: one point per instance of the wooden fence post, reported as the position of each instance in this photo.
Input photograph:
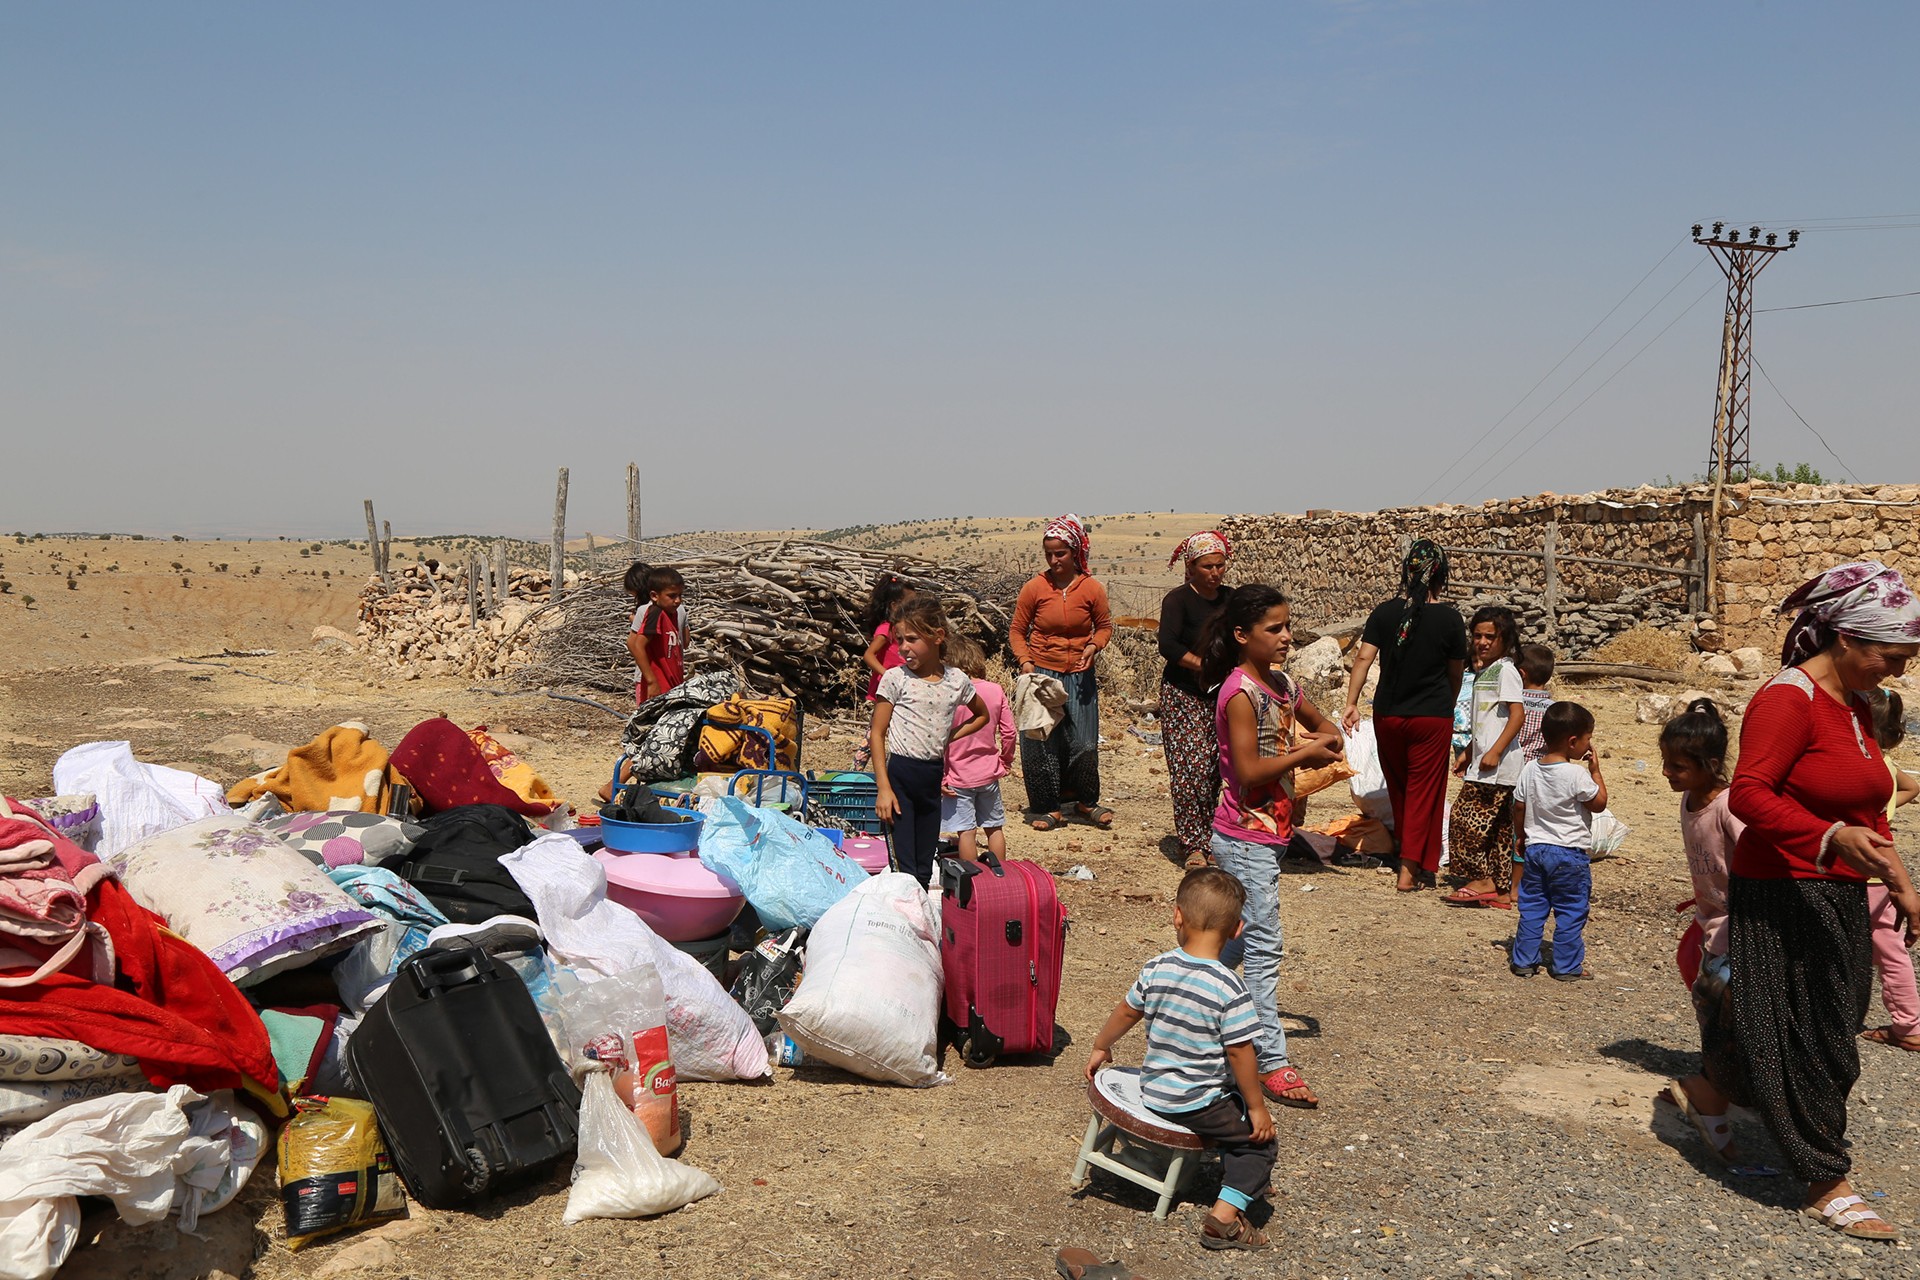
(593, 560)
(386, 547)
(373, 547)
(633, 507)
(1697, 585)
(473, 592)
(485, 566)
(500, 570)
(559, 562)
(1550, 591)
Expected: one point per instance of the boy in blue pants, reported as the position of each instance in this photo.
(1553, 807)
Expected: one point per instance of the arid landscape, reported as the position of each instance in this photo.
(1472, 1124)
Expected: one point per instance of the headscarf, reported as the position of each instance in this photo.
(1424, 566)
(1864, 599)
(1069, 529)
(1205, 543)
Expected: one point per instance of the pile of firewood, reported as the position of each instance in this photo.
(786, 615)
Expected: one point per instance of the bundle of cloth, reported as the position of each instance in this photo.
(448, 766)
(342, 768)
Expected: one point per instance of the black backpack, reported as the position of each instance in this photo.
(456, 864)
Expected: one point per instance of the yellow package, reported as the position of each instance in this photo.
(334, 1170)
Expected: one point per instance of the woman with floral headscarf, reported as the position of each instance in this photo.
(1813, 790)
(1421, 645)
(1061, 622)
(1186, 710)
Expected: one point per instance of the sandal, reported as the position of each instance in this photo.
(1099, 815)
(1276, 1083)
(1715, 1131)
(1196, 860)
(1461, 898)
(1241, 1235)
(1047, 821)
(1082, 1264)
(1886, 1036)
(1841, 1215)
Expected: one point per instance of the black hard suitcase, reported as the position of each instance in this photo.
(467, 1087)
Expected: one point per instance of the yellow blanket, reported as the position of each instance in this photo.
(343, 768)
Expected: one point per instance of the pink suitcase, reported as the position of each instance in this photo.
(1002, 936)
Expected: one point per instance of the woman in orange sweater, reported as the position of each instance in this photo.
(1061, 622)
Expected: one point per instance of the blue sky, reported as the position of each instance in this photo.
(825, 264)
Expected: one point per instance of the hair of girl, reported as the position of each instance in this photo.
(1504, 627)
(635, 581)
(1889, 718)
(1423, 572)
(1699, 735)
(964, 652)
(888, 588)
(924, 615)
(1219, 649)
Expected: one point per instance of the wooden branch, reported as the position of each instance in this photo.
(1622, 671)
(373, 547)
(633, 506)
(559, 537)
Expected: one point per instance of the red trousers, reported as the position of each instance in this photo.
(1414, 754)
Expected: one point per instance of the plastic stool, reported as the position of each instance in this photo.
(1131, 1142)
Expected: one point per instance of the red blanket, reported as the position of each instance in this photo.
(172, 1009)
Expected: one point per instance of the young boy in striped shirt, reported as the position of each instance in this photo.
(1199, 1070)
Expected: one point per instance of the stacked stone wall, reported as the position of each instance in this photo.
(1338, 565)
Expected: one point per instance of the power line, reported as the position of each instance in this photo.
(1541, 411)
(1803, 421)
(1603, 385)
(1808, 306)
(1465, 453)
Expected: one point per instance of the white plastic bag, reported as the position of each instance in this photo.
(712, 1037)
(869, 1001)
(1369, 782)
(618, 1173)
(1608, 834)
(136, 799)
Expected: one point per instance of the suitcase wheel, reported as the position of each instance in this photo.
(978, 1053)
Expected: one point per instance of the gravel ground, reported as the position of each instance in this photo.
(1473, 1124)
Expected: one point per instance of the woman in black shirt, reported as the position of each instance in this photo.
(1186, 708)
(1422, 647)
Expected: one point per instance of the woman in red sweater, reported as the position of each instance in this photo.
(1813, 791)
(1061, 622)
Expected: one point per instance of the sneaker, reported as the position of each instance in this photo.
(1523, 970)
(1239, 1234)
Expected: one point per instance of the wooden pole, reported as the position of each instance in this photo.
(593, 561)
(633, 508)
(373, 547)
(473, 592)
(1722, 424)
(386, 547)
(485, 566)
(500, 570)
(559, 562)
(1550, 592)
(1697, 587)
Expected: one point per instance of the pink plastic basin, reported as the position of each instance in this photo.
(679, 898)
(869, 851)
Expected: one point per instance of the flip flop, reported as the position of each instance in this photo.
(1275, 1084)
(1197, 860)
(1081, 1264)
(1461, 898)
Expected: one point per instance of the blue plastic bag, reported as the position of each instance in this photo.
(788, 871)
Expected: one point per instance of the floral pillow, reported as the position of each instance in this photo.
(253, 903)
(345, 837)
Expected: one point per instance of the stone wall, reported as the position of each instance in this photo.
(1338, 565)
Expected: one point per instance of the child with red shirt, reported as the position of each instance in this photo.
(658, 637)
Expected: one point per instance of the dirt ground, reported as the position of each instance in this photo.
(1472, 1124)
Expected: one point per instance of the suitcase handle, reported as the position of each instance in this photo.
(439, 969)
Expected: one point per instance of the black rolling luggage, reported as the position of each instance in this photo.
(469, 1092)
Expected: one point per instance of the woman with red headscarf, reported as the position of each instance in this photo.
(1061, 622)
(1812, 788)
(1186, 708)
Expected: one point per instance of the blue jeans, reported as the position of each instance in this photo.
(1558, 881)
(1260, 945)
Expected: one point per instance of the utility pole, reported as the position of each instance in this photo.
(1741, 262)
